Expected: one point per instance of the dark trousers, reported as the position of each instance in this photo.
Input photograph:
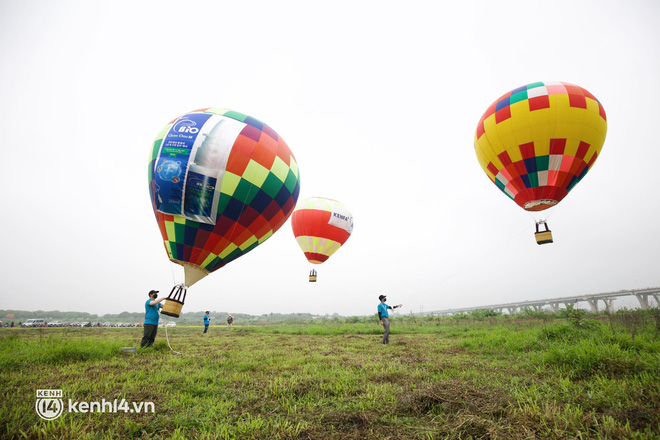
(149, 335)
(206, 328)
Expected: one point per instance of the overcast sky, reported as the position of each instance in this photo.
(378, 101)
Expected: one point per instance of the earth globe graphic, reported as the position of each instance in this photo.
(169, 170)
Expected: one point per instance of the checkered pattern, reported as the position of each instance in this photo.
(316, 237)
(259, 191)
(538, 141)
(317, 249)
(318, 203)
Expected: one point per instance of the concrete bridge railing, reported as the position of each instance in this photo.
(607, 298)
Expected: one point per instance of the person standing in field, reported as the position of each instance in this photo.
(207, 321)
(384, 317)
(151, 317)
(230, 321)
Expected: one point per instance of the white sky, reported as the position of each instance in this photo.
(377, 100)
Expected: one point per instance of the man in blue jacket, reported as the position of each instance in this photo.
(385, 317)
(207, 320)
(151, 317)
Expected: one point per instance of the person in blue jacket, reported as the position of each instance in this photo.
(384, 317)
(207, 320)
(151, 317)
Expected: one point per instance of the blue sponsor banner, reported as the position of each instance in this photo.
(172, 162)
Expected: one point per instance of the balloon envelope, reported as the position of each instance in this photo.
(321, 226)
(221, 183)
(538, 141)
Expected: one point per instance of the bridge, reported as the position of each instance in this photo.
(608, 298)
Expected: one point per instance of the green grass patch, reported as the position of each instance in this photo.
(17, 353)
(491, 377)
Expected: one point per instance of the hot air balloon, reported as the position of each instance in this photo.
(321, 226)
(538, 141)
(221, 183)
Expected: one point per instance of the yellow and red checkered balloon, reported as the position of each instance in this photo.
(538, 141)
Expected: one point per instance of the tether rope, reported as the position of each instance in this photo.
(168, 343)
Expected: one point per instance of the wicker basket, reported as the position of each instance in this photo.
(172, 308)
(543, 237)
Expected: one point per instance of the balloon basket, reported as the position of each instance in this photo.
(175, 301)
(172, 308)
(312, 276)
(543, 237)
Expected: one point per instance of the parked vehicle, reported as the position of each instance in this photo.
(34, 323)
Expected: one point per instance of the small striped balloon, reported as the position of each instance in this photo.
(321, 226)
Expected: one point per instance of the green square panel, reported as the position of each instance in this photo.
(179, 232)
(533, 180)
(291, 181)
(272, 185)
(222, 202)
(245, 192)
(542, 163)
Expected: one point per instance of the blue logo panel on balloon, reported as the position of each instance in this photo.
(172, 162)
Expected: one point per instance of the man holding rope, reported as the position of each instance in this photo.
(384, 317)
(151, 317)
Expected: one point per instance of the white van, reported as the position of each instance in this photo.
(34, 323)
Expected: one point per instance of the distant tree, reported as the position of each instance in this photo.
(484, 313)
(530, 312)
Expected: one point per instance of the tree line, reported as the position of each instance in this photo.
(135, 317)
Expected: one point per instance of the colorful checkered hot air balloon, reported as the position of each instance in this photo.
(538, 141)
(321, 226)
(221, 183)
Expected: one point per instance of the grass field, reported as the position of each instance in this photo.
(438, 378)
